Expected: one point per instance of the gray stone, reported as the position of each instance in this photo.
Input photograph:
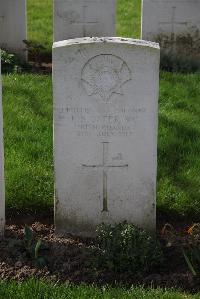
(80, 18)
(13, 26)
(2, 188)
(105, 132)
(175, 24)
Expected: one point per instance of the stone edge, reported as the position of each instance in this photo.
(111, 40)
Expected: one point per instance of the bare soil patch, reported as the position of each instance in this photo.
(70, 259)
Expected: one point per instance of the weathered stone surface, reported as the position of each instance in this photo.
(13, 26)
(80, 18)
(2, 191)
(175, 24)
(105, 132)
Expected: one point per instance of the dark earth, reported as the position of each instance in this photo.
(68, 259)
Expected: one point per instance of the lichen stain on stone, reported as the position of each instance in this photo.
(183, 44)
(66, 225)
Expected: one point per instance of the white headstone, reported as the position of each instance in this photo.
(105, 132)
(175, 24)
(2, 191)
(13, 26)
(80, 18)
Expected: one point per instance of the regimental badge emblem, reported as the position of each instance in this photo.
(105, 75)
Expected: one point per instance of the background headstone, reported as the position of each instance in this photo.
(80, 18)
(175, 24)
(105, 132)
(2, 191)
(13, 26)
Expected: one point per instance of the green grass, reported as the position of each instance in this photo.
(129, 18)
(28, 112)
(28, 143)
(40, 290)
(28, 126)
(27, 101)
(40, 20)
(178, 146)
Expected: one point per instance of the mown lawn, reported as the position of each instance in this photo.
(178, 145)
(40, 290)
(40, 20)
(28, 126)
(28, 112)
(28, 122)
(27, 101)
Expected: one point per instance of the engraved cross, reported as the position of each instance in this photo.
(84, 21)
(105, 166)
(173, 22)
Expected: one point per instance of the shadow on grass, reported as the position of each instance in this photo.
(178, 166)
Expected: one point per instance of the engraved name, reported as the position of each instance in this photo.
(86, 122)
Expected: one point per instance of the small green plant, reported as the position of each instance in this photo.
(127, 248)
(10, 62)
(33, 247)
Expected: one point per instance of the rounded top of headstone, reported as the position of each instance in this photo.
(111, 40)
